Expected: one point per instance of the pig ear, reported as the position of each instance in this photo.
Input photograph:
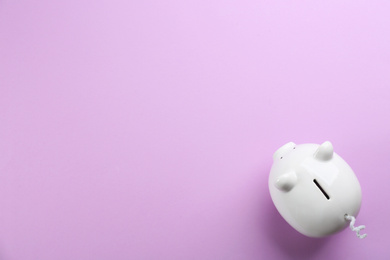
(324, 152)
(287, 181)
(283, 150)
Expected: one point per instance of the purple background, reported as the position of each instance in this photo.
(145, 129)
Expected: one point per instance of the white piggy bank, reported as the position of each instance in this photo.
(313, 188)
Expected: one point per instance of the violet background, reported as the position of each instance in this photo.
(145, 129)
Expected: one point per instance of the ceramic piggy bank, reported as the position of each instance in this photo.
(313, 188)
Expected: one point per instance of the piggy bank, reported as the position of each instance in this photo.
(313, 188)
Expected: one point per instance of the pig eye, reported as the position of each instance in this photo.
(282, 156)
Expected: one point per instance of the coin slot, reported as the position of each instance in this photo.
(321, 189)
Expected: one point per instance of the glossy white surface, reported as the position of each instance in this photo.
(313, 188)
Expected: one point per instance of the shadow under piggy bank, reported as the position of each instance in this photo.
(292, 243)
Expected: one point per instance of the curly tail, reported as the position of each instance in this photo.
(353, 228)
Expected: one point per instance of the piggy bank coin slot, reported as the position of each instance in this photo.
(321, 189)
